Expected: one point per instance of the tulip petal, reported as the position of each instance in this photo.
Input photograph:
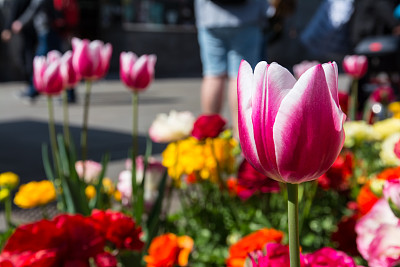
(308, 130)
(246, 86)
(266, 102)
(331, 74)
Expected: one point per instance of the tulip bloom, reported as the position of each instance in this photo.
(355, 66)
(291, 131)
(70, 76)
(137, 73)
(47, 76)
(91, 60)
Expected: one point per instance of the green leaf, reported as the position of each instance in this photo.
(63, 156)
(96, 201)
(46, 163)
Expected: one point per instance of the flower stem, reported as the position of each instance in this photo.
(66, 118)
(7, 208)
(135, 97)
(293, 216)
(52, 133)
(353, 100)
(85, 124)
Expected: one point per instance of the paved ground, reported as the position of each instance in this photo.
(23, 128)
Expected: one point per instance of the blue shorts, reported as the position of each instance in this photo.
(222, 49)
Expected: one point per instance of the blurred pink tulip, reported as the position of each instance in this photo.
(70, 76)
(137, 73)
(47, 77)
(355, 66)
(89, 171)
(91, 60)
(291, 131)
(299, 69)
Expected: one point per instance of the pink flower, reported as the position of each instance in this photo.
(92, 170)
(383, 94)
(137, 73)
(70, 76)
(391, 192)
(291, 131)
(355, 66)
(91, 60)
(105, 259)
(328, 257)
(299, 69)
(208, 126)
(367, 227)
(47, 77)
(384, 250)
(277, 255)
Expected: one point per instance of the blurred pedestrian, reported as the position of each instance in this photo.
(228, 31)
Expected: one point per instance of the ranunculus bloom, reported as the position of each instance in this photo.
(299, 69)
(276, 255)
(70, 76)
(355, 66)
(91, 168)
(291, 131)
(367, 227)
(47, 76)
(105, 259)
(169, 250)
(91, 60)
(338, 175)
(384, 250)
(391, 192)
(173, 127)
(387, 127)
(366, 199)
(251, 181)
(119, 229)
(390, 150)
(9, 179)
(34, 194)
(238, 252)
(208, 126)
(137, 73)
(329, 257)
(345, 236)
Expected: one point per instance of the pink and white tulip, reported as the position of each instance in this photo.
(137, 73)
(291, 131)
(70, 76)
(91, 60)
(88, 171)
(355, 66)
(299, 69)
(47, 76)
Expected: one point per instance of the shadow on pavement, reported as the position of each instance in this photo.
(21, 146)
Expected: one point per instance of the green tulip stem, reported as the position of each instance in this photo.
(66, 118)
(7, 209)
(353, 100)
(293, 217)
(135, 102)
(84, 134)
(52, 133)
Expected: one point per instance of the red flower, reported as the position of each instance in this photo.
(337, 177)
(105, 259)
(208, 126)
(250, 181)
(345, 236)
(366, 199)
(119, 229)
(344, 101)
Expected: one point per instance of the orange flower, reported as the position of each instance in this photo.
(168, 250)
(254, 241)
(366, 199)
(389, 174)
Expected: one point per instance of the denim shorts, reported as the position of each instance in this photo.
(222, 49)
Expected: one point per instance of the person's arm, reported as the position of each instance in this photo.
(29, 13)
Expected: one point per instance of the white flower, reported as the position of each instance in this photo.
(92, 170)
(388, 157)
(173, 127)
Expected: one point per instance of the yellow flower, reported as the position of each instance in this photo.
(387, 127)
(35, 194)
(358, 131)
(9, 180)
(387, 154)
(90, 191)
(108, 185)
(394, 107)
(117, 195)
(4, 193)
(205, 157)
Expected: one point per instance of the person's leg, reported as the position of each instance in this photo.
(213, 58)
(212, 89)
